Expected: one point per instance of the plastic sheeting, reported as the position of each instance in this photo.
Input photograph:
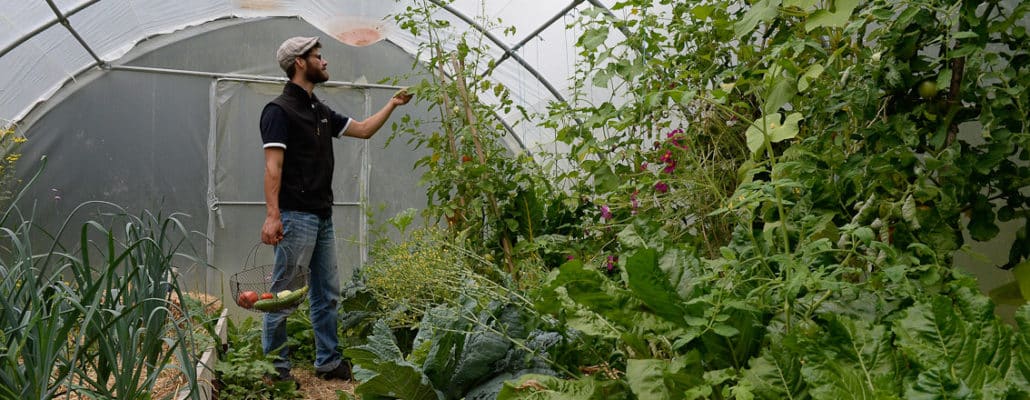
(40, 55)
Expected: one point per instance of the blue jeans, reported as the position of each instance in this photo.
(308, 241)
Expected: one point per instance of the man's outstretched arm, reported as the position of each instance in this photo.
(365, 129)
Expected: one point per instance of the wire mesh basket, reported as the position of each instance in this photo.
(252, 287)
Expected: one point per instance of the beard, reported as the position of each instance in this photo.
(316, 75)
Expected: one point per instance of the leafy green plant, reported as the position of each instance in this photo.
(244, 372)
(494, 200)
(770, 202)
(462, 351)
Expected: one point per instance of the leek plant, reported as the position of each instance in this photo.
(94, 322)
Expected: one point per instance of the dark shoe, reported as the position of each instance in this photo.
(283, 375)
(341, 372)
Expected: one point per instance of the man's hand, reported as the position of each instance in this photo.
(401, 98)
(272, 231)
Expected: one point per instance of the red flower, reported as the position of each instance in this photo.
(661, 187)
(667, 157)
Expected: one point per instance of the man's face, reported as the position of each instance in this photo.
(316, 71)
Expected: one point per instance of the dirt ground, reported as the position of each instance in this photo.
(315, 388)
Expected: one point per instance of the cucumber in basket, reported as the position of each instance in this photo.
(282, 300)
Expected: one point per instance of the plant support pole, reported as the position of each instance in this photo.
(459, 73)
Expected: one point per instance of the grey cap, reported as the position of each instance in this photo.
(293, 48)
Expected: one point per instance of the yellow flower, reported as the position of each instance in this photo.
(13, 157)
(20, 139)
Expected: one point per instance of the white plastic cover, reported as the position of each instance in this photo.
(38, 54)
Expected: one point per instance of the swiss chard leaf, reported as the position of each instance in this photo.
(854, 359)
(545, 387)
(651, 285)
(775, 374)
(958, 346)
(664, 379)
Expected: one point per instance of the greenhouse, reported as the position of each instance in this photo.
(564, 199)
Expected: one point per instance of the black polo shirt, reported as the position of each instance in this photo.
(303, 127)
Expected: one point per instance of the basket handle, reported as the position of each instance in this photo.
(251, 260)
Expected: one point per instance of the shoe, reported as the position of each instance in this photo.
(283, 375)
(341, 372)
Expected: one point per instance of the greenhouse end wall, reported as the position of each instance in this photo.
(142, 140)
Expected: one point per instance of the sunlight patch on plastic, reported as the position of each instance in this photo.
(264, 5)
(357, 31)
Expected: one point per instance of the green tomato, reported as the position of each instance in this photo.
(1022, 273)
(927, 89)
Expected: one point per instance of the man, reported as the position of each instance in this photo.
(297, 129)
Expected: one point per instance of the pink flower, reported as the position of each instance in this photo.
(667, 157)
(670, 168)
(570, 257)
(633, 202)
(661, 187)
(606, 213)
(643, 166)
(610, 264)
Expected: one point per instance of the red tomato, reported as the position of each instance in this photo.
(266, 296)
(465, 158)
(247, 299)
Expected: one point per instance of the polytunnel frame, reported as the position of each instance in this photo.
(509, 52)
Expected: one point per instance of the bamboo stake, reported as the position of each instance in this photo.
(459, 73)
(457, 221)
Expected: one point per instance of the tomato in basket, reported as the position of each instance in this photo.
(247, 299)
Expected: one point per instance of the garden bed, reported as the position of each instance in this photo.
(171, 380)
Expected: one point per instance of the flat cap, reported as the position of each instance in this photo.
(293, 48)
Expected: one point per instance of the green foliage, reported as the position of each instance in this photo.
(392, 376)
(544, 387)
(244, 371)
(462, 351)
(769, 203)
(10, 142)
(411, 276)
(94, 321)
(495, 200)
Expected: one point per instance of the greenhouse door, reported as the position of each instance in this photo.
(236, 180)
